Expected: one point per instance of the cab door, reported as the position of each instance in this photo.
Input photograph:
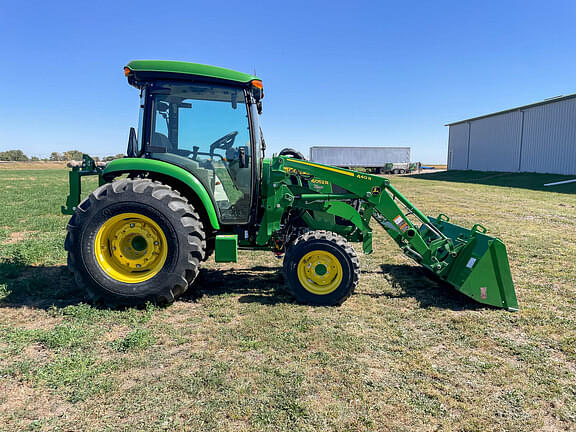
(205, 129)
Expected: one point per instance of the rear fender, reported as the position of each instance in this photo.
(129, 165)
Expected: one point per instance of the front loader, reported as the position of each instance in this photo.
(195, 182)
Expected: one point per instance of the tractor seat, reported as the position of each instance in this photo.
(206, 176)
(161, 140)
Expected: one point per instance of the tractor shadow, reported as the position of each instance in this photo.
(258, 284)
(38, 287)
(420, 284)
(48, 287)
(265, 285)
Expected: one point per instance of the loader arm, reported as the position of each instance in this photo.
(471, 261)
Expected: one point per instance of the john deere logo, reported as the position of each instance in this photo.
(376, 190)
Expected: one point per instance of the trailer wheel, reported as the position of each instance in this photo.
(133, 241)
(321, 268)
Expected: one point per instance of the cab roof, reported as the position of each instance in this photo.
(163, 67)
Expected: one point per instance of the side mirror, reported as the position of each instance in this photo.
(132, 143)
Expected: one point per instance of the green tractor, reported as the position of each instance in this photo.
(195, 182)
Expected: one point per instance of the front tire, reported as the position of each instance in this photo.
(133, 241)
(321, 268)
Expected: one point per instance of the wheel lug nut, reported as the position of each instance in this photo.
(155, 243)
(138, 265)
(131, 225)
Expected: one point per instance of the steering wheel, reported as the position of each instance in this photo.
(225, 143)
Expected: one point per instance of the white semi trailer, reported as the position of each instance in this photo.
(383, 160)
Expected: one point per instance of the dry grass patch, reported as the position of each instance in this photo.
(16, 237)
(32, 165)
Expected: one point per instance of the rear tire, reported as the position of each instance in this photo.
(321, 268)
(291, 152)
(133, 241)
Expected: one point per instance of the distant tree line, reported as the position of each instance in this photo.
(70, 155)
(13, 155)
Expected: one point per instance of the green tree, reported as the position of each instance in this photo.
(72, 155)
(13, 155)
(55, 156)
(111, 158)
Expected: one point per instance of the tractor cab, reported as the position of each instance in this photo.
(203, 119)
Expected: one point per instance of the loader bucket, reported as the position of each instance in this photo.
(480, 269)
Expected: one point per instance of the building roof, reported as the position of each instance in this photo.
(177, 67)
(520, 108)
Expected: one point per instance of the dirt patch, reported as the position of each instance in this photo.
(116, 333)
(17, 236)
(28, 318)
(29, 404)
(37, 353)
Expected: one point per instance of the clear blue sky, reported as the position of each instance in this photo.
(335, 73)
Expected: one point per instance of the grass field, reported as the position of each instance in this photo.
(236, 354)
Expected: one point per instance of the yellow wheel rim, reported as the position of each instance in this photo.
(320, 272)
(130, 248)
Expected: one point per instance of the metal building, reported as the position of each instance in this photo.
(539, 137)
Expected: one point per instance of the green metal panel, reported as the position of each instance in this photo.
(226, 248)
(156, 166)
(196, 69)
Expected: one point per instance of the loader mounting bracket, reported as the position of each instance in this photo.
(88, 168)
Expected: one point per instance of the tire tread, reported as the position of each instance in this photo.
(330, 237)
(191, 228)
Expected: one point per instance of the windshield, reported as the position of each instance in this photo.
(206, 130)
